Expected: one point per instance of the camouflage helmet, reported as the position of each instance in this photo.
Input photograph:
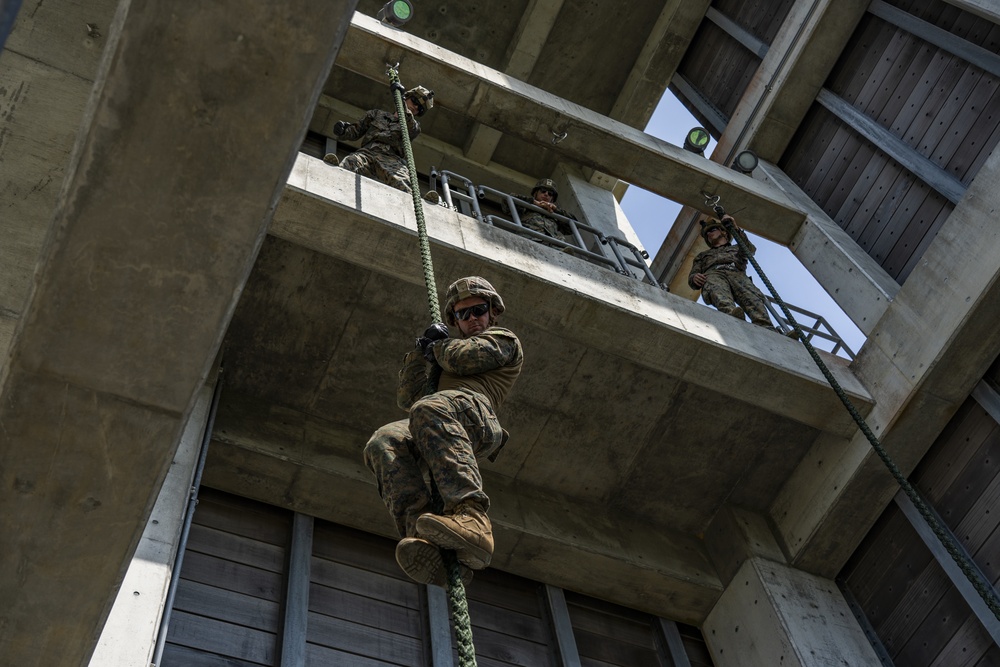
(423, 98)
(548, 184)
(468, 287)
(712, 223)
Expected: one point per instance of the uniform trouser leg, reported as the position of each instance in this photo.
(383, 168)
(391, 456)
(752, 300)
(717, 292)
(445, 431)
(450, 428)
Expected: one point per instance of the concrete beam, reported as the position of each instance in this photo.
(427, 151)
(735, 536)
(791, 75)
(534, 115)
(777, 98)
(653, 69)
(165, 202)
(522, 54)
(805, 619)
(355, 219)
(305, 464)
(852, 278)
(986, 9)
(48, 68)
(952, 298)
(129, 636)
(666, 45)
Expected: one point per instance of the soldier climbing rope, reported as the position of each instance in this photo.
(457, 602)
(948, 541)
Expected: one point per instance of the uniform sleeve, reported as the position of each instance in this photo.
(357, 130)
(696, 267)
(491, 349)
(412, 126)
(412, 379)
(750, 246)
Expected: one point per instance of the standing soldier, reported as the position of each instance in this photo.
(381, 155)
(445, 433)
(720, 274)
(544, 195)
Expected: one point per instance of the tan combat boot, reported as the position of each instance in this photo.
(468, 532)
(735, 311)
(422, 562)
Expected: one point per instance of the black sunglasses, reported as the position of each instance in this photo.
(477, 310)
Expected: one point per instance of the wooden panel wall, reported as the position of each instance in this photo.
(941, 106)
(717, 65)
(227, 608)
(608, 635)
(363, 611)
(917, 613)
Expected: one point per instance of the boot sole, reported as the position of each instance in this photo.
(423, 563)
(468, 554)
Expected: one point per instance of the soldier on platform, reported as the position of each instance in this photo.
(720, 274)
(381, 156)
(544, 195)
(445, 433)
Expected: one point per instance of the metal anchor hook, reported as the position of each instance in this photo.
(558, 136)
(711, 200)
(389, 68)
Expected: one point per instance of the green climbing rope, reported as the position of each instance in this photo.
(947, 539)
(457, 602)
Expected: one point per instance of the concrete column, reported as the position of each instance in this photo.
(165, 201)
(129, 636)
(593, 204)
(772, 614)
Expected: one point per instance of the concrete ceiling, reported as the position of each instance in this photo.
(622, 75)
(690, 412)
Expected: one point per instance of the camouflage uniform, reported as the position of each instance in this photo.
(447, 430)
(726, 281)
(539, 222)
(381, 156)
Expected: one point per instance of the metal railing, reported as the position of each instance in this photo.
(462, 195)
(613, 252)
(820, 328)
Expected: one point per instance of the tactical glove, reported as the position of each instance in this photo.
(339, 127)
(434, 333)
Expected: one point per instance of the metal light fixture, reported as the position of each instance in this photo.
(395, 13)
(745, 162)
(696, 140)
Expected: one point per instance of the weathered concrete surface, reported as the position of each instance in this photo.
(783, 89)
(931, 347)
(46, 72)
(308, 464)
(129, 636)
(785, 85)
(341, 215)
(533, 115)
(737, 535)
(852, 278)
(775, 615)
(987, 9)
(164, 205)
(601, 421)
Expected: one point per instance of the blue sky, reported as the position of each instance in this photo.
(652, 216)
